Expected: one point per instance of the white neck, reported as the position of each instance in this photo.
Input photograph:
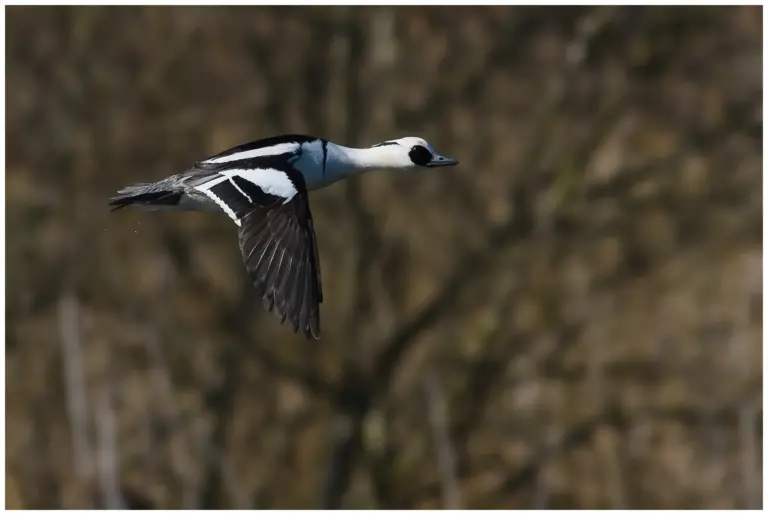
(357, 160)
(343, 162)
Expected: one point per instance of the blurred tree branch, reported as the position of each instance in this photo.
(107, 450)
(446, 456)
(74, 374)
(345, 425)
(171, 419)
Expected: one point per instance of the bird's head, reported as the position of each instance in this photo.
(412, 152)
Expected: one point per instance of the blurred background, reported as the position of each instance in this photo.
(569, 319)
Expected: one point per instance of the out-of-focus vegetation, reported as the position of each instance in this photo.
(569, 319)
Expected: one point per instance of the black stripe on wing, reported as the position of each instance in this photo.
(279, 250)
(234, 199)
(263, 143)
(255, 194)
(241, 195)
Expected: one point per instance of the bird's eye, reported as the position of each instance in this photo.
(420, 156)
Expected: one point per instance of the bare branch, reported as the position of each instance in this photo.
(74, 375)
(106, 445)
(446, 456)
(164, 387)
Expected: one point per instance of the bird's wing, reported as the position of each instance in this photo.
(279, 249)
(268, 201)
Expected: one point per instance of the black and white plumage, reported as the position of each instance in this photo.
(263, 187)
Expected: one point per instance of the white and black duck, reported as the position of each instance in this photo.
(263, 186)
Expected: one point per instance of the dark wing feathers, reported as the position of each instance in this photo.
(279, 250)
(314, 253)
(277, 238)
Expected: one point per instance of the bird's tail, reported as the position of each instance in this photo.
(146, 196)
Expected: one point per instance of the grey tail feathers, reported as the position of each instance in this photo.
(143, 195)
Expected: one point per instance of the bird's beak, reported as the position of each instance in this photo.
(439, 160)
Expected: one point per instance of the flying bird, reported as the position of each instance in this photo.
(263, 186)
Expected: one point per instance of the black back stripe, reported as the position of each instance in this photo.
(385, 144)
(325, 156)
(263, 143)
(277, 161)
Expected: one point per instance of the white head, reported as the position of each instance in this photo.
(409, 152)
(397, 154)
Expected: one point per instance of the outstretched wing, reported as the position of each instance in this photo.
(267, 199)
(279, 249)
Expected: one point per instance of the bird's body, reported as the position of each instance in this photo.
(263, 187)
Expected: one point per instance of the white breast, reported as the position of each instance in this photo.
(318, 170)
(310, 164)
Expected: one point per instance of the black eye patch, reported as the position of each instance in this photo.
(420, 155)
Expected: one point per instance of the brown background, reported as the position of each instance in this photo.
(569, 319)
